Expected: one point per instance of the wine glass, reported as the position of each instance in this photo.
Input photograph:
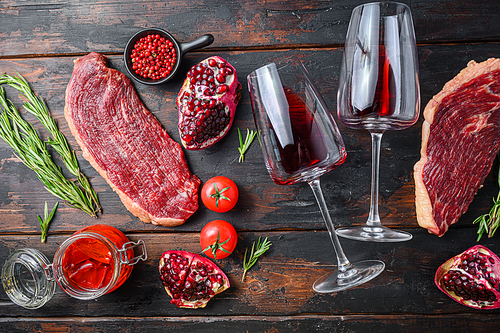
(378, 91)
(300, 142)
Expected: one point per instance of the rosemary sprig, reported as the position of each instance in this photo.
(246, 144)
(255, 253)
(489, 223)
(38, 108)
(33, 152)
(47, 218)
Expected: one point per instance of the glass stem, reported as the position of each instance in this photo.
(374, 218)
(343, 263)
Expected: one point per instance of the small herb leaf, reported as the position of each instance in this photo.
(255, 253)
(246, 144)
(47, 218)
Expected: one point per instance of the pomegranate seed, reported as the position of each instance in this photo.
(220, 78)
(221, 89)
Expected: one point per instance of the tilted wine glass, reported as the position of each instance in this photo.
(300, 142)
(378, 91)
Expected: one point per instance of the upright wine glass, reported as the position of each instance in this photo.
(301, 142)
(378, 91)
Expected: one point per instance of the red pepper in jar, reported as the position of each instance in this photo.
(88, 262)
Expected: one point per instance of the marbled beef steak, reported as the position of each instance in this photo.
(460, 139)
(127, 145)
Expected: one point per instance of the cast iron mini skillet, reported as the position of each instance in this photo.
(180, 48)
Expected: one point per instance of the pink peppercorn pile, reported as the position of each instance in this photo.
(153, 57)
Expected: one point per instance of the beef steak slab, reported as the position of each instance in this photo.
(127, 145)
(460, 139)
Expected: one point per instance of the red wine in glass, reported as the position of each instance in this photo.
(383, 103)
(310, 146)
(300, 142)
(378, 91)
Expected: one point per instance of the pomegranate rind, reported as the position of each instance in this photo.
(201, 303)
(452, 264)
(229, 98)
(193, 259)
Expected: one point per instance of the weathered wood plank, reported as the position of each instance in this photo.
(55, 27)
(263, 205)
(281, 282)
(307, 323)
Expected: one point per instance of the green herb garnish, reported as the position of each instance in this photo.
(489, 223)
(33, 152)
(255, 253)
(37, 107)
(47, 218)
(246, 144)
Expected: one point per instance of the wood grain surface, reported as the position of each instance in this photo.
(40, 40)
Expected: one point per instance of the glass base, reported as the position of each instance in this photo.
(361, 272)
(373, 234)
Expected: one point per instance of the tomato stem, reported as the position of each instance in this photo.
(217, 245)
(218, 194)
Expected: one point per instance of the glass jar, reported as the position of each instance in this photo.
(92, 262)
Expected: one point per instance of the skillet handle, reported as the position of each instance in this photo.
(201, 41)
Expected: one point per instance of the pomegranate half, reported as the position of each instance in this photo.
(207, 103)
(472, 278)
(191, 280)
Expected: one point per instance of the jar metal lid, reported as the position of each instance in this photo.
(27, 278)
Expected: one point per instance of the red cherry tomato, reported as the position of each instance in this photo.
(219, 194)
(218, 239)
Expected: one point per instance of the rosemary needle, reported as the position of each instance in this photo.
(244, 145)
(33, 152)
(37, 107)
(255, 253)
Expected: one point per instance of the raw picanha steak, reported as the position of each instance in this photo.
(460, 139)
(127, 145)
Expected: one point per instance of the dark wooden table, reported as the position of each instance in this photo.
(40, 40)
